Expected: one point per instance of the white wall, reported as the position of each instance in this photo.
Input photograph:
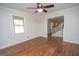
(71, 23)
(37, 25)
(0, 29)
(7, 35)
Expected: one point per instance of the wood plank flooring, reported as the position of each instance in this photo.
(40, 46)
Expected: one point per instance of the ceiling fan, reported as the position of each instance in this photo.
(41, 8)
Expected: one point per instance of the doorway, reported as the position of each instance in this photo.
(55, 26)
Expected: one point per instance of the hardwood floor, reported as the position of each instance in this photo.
(40, 46)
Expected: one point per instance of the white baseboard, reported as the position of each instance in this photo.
(44, 35)
(8, 45)
(5, 46)
(71, 41)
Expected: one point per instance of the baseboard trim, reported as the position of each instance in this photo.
(6, 46)
(71, 41)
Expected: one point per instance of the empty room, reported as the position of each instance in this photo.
(39, 29)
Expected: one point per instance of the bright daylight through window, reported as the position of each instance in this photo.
(18, 24)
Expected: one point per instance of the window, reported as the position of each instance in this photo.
(18, 24)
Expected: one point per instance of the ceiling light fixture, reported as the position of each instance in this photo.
(39, 10)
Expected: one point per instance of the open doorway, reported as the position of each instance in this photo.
(56, 26)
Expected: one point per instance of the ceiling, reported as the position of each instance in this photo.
(23, 6)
